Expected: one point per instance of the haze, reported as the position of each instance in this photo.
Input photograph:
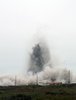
(23, 20)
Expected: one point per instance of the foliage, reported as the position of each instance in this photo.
(51, 92)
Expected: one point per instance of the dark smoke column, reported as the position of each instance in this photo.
(39, 58)
(36, 61)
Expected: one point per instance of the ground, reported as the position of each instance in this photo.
(36, 92)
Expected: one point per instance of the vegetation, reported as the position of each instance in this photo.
(36, 92)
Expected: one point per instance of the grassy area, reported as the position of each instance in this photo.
(35, 92)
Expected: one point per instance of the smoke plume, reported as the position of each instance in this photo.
(41, 65)
(39, 58)
(40, 70)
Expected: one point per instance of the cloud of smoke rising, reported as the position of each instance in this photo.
(40, 69)
(39, 58)
(41, 64)
(47, 75)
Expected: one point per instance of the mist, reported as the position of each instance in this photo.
(22, 22)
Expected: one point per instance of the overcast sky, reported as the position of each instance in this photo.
(23, 20)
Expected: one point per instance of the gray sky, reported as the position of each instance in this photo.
(23, 20)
